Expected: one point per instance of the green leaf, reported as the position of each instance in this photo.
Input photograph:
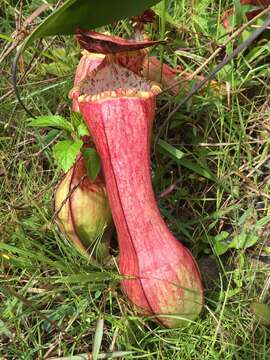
(239, 13)
(197, 169)
(220, 248)
(65, 153)
(244, 240)
(171, 150)
(82, 130)
(262, 312)
(85, 278)
(98, 338)
(246, 215)
(222, 236)
(179, 155)
(158, 9)
(6, 38)
(76, 119)
(220, 243)
(56, 68)
(108, 355)
(78, 123)
(263, 221)
(51, 121)
(87, 14)
(50, 136)
(92, 162)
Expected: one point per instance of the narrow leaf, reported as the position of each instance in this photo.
(171, 150)
(263, 221)
(6, 38)
(86, 14)
(92, 277)
(178, 155)
(197, 169)
(98, 338)
(86, 356)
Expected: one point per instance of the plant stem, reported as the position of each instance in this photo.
(162, 35)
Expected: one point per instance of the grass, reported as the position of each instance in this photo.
(216, 150)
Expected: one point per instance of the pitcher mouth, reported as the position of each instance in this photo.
(114, 81)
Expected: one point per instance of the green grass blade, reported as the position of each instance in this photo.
(98, 338)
